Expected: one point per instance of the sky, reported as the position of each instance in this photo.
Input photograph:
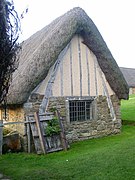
(113, 18)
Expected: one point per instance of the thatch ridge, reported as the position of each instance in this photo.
(41, 50)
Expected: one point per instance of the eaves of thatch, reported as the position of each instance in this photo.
(129, 75)
(41, 50)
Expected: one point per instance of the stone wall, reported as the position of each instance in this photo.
(132, 90)
(14, 114)
(102, 125)
(33, 104)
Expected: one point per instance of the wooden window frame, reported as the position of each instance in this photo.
(81, 109)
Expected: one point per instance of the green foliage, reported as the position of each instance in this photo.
(109, 158)
(128, 108)
(9, 33)
(52, 127)
(53, 109)
(6, 131)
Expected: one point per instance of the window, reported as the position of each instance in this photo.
(81, 110)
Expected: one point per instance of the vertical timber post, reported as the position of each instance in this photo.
(41, 137)
(28, 135)
(62, 133)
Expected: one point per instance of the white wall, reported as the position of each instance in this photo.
(78, 74)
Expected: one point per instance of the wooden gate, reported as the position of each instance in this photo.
(37, 124)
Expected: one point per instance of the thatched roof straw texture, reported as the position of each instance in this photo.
(129, 75)
(41, 50)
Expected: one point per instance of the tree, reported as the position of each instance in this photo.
(9, 33)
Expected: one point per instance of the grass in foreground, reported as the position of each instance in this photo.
(128, 108)
(110, 158)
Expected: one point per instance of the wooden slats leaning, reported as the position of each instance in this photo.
(40, 132)
(36, 125)
(62, 133)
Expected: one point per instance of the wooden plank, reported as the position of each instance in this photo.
(35, 135)
(43, 114)
(54, 150)
(28, 135)
(43, 117)
(8, 123)
(110, 105)
(71, 70)
(48, 90)
(95, 73)
(62, 133)
(88, 71)
(1, 136)
(80, 65)
(35, 138)
(41, 137)
(61, 77)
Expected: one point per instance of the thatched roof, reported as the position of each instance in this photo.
(129, 75)
(41, 50)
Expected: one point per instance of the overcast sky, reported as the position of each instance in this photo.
(113, 18)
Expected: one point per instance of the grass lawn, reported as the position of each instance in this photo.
(109, 158)
(128, 108)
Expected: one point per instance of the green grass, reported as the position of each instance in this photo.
(128, 108)
(109, 158)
